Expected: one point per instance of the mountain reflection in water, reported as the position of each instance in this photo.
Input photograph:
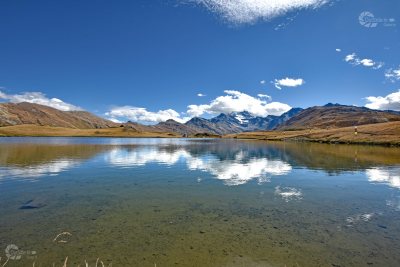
(233, 162)
(200, 202)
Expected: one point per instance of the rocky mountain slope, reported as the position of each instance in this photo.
(240, 122)
(28, 113)
(336, 116)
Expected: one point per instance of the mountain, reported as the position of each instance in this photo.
(284, 117)
(237, 122)
(328, 116)
(203, 125)
(335, 116)
(174, 126)
(169, 126)
(222, 124)
(271, 122)
(228, 123)
(29, 113)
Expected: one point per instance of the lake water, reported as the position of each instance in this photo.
(182, 202)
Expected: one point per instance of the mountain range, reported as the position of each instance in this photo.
(322, 117)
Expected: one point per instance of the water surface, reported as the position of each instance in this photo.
(182, 202)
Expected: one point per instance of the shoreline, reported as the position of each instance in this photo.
(361, 143)
(381, 134)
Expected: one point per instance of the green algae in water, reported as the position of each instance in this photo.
(200, 203)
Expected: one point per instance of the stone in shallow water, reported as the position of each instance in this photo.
(32, 204)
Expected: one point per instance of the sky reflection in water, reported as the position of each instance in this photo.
(241, 163)
(175, 194)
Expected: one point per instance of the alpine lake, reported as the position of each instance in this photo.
(197, 202)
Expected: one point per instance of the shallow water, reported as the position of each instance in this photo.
(181, 202)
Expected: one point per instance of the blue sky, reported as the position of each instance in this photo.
(112, 58)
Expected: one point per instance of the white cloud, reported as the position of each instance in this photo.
(393, 74)
(367, 62)
(389, 102)
(263, 82)
(142, 115)
(197, 110)
(354, 60)
(250, 11)
(265, 96)
(39, 98)
(338, 50)
(350, 58)
(235, 101)
(201, 95)
(288, 82)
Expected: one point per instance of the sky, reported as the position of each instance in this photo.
(149, 61)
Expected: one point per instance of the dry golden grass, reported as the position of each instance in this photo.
(380, 133)
(5, 263)
(35, 130)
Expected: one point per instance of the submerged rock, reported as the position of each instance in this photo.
(32, 204)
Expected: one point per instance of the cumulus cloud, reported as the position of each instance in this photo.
(288, 82)
(389, 102)
(201, 95)
(250, 11)
(338, 50)
(232, 101)
(393, 74)
(143, 115)
(354, 60)
(350, 58)
(235, 101)
(265, 96)
(263, 82)
(39, 98)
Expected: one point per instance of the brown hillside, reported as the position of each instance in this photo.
(28, 113)
(387, 133)
(336, 116)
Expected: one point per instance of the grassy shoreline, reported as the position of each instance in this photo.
(386, 134)
(29, 130)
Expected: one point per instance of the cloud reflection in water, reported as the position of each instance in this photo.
(36, 171)
(236, 171)
(390, 176)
